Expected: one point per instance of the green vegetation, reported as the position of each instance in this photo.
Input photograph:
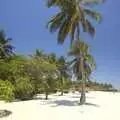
(38, 73)
(6, 91)
(92, 86)
(21, 77)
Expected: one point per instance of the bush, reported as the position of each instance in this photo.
(6, 91)
(24, 89)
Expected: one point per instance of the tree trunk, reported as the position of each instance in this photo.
(83, 97)
(46, 96)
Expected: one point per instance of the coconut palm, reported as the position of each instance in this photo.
(6, 49)
(73, 15)
(82, 65)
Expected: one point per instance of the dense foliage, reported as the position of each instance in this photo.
(6, 91)
(21, 77)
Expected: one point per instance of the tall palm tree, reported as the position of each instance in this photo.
(73, 15)
(82, 65)
(6, 49)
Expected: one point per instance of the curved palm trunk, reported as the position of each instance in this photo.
(83, 97)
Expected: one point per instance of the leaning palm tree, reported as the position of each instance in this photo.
(6, 49)
(72, 18)
(82, 65)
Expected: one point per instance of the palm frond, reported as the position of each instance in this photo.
(58, 3)
(72, 33)
(95, 15)
(87, 26)
(51, 3)
(74, 68)
(91, 61)
(74, 26)
(79, 48)
(87, 70)
(71, 62)
(91, 2)
(56, 22)
(63, 32)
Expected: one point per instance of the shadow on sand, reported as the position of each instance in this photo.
(5, 113)
(90, 104)
(29, 99)
(79, 97)
(64, 103)
(69, 103)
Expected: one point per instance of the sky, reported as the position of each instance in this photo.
(25, 22)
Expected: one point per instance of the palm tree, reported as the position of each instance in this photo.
(73, 15)
(39, 53)
(62, 68)
(52, 58)
(82, 65)
(6, 49)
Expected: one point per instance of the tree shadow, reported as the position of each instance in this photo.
(91, 104)
(70, 103)
(5, 113)
(79, 97)
(64, 103)
(32, 98)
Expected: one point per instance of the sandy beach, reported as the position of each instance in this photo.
(99, 106)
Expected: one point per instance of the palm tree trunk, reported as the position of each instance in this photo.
(83, 97)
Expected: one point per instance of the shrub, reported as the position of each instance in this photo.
(6, 91)
(24, 89)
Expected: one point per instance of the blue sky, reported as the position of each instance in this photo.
(25, 21)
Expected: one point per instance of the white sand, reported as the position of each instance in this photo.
(100, 106)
